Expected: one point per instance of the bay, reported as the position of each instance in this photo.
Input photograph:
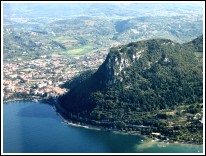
(34, 127)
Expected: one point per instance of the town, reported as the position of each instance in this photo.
(42, 77)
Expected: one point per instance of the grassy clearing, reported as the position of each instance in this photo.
(80, 51)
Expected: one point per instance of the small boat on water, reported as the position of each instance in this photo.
(35, 100)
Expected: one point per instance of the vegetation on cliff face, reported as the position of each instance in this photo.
(155, 83)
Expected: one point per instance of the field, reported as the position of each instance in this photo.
(80, 51)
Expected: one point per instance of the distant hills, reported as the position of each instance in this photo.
(36, 10)
(34, 29)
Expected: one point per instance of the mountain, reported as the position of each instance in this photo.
(131, 73)
(151, 83)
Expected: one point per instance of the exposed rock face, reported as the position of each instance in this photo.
(116, 66)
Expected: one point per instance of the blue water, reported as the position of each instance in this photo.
(30, 127)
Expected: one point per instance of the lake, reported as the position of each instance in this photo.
(34, 127)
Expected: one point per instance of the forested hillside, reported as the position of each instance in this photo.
(152, 83)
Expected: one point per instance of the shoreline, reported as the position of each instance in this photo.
(146, 139)
(26, 99)
(98, 128)
(17, 99)
(72, 123)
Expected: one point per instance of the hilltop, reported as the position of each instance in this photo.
(150, 83)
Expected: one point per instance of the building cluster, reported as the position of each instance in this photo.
(43, 77)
